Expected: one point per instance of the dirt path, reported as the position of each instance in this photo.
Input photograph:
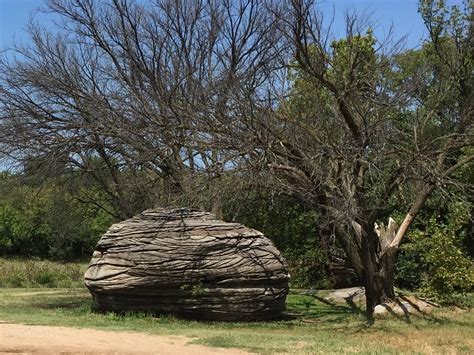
(16, 338)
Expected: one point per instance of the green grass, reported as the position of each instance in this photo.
(36, 273)
(313, 325)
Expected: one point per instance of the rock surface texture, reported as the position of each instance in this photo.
(187, 263)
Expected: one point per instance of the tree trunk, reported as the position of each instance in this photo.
(378, 288)
(387, 272)
(373, 260)
(379, 268)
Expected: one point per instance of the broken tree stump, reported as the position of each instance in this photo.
(187, 263)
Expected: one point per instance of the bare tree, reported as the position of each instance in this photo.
(352, 137)
(139, 87)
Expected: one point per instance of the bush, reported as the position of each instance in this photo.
(434, 261)
(308, 268)
(46, 221)
(32, 273)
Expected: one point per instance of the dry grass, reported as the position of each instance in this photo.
(37, 273)
(313, 326)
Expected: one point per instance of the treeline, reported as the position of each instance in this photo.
(252, 109)
(50, 220)
(43, 220)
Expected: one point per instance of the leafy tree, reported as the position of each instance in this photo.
(367, 140)
(46, 221)
(440, 267)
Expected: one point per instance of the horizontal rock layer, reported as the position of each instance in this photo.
(190, 264)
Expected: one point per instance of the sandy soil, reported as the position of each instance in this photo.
(26, 339)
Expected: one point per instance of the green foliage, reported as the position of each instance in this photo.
(32, 273)
(351, 67)
(292, 227)
(46, 221)
(353, 61)
(434, 261)
(308, 267)
(198, 290)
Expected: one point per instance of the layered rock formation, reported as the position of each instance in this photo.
(187, 263)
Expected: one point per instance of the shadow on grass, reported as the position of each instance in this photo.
(312, 308)
(327, 311)
(356, 309)
(301, 309)
(65, 303)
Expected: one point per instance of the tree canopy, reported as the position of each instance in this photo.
(179, 102)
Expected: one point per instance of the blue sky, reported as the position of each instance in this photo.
(14, 16)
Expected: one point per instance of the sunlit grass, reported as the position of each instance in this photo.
(311, 325)
(38, 273)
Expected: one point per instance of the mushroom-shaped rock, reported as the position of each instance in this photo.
(187, 263)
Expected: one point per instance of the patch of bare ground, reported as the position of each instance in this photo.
(26, 339)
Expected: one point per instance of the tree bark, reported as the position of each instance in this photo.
(378, 258)
(378, 285)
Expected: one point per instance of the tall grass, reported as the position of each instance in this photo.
(34, 273)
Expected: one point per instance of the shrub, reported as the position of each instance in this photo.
(434, 261)
(308, 268)
(33, 273)
(47, 222)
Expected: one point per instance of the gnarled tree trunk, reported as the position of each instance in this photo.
(374, 259)
(378, 257)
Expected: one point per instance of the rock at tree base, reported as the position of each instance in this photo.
(187, 263)
(405, 305)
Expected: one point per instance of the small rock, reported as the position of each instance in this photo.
(403, 308)
(355, 294)
(380, 309)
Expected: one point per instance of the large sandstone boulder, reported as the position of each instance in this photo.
(187, 263)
